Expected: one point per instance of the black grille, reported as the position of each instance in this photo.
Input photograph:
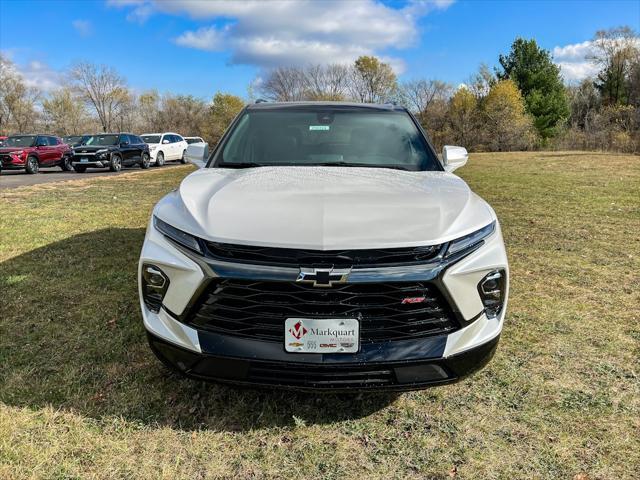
(259, 309)
(314, 376)
(296, 257)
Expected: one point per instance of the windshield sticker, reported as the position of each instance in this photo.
(319, 127)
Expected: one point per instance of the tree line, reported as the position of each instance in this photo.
(96, 98)
(522, 104)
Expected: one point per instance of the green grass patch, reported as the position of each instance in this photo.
(81, 395)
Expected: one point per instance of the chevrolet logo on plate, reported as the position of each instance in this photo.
(323, 277)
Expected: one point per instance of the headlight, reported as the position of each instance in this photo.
(17, 152)
(152, 147)
(178, 236)
(471, 240)
(102, 151)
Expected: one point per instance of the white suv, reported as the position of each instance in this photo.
(324, 246)
(165, 146)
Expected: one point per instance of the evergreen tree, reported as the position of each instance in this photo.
(539, 81)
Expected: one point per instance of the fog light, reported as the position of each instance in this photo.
(154, 286)
(492, 292)
(154, 276)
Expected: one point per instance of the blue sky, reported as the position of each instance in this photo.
(199, 47)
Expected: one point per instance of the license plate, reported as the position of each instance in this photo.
(84, 160)
(321, 335)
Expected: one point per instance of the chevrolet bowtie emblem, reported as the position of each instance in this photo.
(323, 277)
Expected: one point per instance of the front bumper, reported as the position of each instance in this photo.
(395, 365)
(92, 162)
(12, 162)
(321, 371)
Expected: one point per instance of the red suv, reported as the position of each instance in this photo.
(34, 151)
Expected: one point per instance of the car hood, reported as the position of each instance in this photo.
(324, 208)
(16, 149)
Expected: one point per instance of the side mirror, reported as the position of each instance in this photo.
(197, 154)
(124, 144)
(165, 141)
(41, 144)
(454, 157)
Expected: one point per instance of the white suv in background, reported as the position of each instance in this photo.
(165, 146)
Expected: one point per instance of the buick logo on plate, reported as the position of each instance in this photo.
(323, 277)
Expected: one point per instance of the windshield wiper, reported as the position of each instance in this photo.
(353, 164)
(320, 164)
(240, 165)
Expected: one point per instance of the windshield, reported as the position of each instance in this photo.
(327, 136)
(21, 141)
(72, 139)
(101, 140)
(151, 138)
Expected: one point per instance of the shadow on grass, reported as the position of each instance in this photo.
(72, 338)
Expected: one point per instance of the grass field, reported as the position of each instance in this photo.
(81, 395)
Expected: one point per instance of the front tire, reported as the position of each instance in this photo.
(66, 165)
(80, 168)
(32, 165)
(183, 160)
(159, 159)
(144, 164)
(115, 164)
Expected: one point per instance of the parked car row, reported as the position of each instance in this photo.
(79, 152)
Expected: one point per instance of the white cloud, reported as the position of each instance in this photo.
(282, 32)
(141, 13)
(142, 9)
(576, 51)
(577, 71)
(34, 73)
(206, 38)
(40, 75)
(573, 62)
(83, 27)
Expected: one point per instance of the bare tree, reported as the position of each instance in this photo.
(615, 51)
(127, 116)
(481, 82)
(326, 82)
(184, 114)
(102, 88)
(584, 102)
(418, 95)
(65, 112)
(284, 84)
(149, 111)
(17, 101)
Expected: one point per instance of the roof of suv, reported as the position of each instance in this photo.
(104, 133)
(32, 135)
(162, 133)
(346, 105)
